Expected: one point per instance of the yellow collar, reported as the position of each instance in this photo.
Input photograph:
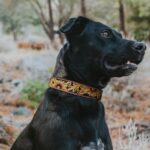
(75, 88)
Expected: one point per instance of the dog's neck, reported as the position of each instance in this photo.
(84, 76)
(60, 69)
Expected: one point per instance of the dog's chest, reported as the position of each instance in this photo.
(94, 146)
(89, 136)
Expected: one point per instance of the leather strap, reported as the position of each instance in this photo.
(75, 88)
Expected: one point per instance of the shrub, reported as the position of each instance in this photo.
(33, 91)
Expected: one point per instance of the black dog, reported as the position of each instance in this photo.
(93, 54)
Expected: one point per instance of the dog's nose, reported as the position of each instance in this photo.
(139, 47)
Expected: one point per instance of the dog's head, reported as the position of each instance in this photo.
(99, 50)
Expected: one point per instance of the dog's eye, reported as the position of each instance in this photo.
(106, 34)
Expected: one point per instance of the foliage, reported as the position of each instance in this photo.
(11, 18)
(33, 91)
(65, 10)
(139, 18)
(15, 14)
(101, 11)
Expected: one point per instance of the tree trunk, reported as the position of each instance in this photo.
(15, 37)
(149, 35)
(60, 21)
(47, 23)
(122, 17)
(83, 8)
(51, 21)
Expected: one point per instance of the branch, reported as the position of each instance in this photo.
(63, 16)
(51, 21)
(42, 19)
(41, 10)
(39, 6)
(50, 10)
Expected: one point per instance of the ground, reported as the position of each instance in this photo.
(125, 99)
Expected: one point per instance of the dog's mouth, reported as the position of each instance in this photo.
(123, 67)
(113, 65)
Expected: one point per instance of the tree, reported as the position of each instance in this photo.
(82, 8)
(51, 21)
(65, 9)
(100, 11)
(140, 18)
(122, 17)
(44, 10)
(45, 13)
(11, 17)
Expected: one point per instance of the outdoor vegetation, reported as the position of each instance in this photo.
(132, 17)
(29, 43)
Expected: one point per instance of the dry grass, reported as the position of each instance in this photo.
(131, 140)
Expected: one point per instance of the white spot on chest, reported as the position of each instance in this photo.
(94, 146)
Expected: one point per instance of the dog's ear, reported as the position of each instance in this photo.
(74, 25)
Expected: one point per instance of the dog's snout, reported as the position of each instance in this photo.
(139, 46)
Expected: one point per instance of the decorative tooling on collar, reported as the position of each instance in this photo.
(75, 88)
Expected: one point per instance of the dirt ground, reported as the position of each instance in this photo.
(134, 105)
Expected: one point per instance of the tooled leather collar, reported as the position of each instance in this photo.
(75, 88)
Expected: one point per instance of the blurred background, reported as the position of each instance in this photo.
(29, 44)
